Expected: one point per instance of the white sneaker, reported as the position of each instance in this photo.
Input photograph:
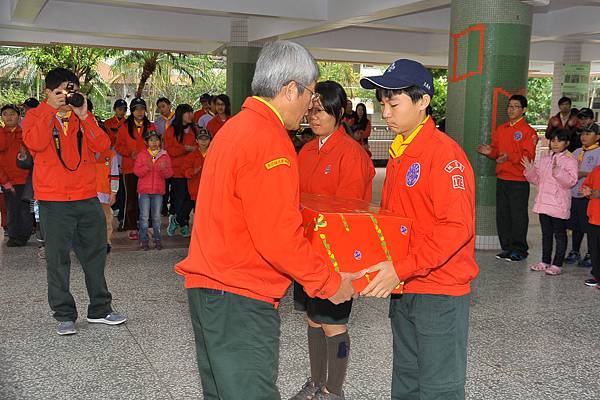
(114, 318)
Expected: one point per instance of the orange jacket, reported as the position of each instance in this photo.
(103, 171)
(433, 184)
(251, 240)
(191, 162)
(128, 147)
(516, 141)
(10, 144)
(341, 168)
(112, 126)
(51, 180)
(177, 150)
(593, 181)
(215, 124)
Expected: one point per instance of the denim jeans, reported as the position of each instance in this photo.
(150, 206)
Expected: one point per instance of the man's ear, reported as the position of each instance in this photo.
(424, 102)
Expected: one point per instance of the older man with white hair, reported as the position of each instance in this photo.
(247, 240)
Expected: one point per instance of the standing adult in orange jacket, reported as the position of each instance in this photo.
(63, 140)
(428, 179)
(248, 241)
(20, 222)
(130, 141)
(180, 140)
(332, 164)
(512, 141)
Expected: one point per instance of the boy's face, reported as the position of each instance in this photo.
(515, 110)
(153, 143)
(203, 142)
(63, 88)
(10, 118)
(120, 112)
(164, 108)
(589, 138)
(205, 104)
(585, 121)
(401, 114)
(565, 107)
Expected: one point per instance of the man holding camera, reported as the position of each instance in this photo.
(63, 138)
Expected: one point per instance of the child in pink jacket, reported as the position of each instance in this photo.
(555, 174)
(152, 167)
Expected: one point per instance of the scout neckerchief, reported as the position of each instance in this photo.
(270, 106)
(584, 149)
(168, 119)
(400, 144)
(139, 126)
(153, 154)
(64, 121)
(514, 123)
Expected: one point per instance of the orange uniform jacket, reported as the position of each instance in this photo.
(10, 144)
(341, 168)
(192, 161)
(51, 180)
(112, 126)
(593, 181)
(248, 237)
(516, 141)
(432, 183)
(126, 146)
(215, 124)
(177, 150)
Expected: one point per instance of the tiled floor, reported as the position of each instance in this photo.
(532, 336)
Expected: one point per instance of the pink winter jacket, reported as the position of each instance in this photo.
(554, 183)
(152, 179)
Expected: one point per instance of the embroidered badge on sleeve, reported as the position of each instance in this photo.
(277, 162)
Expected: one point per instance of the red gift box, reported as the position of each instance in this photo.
(354, 234)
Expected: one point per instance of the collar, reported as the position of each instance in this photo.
(401, 144)
(329, 143)
(265, 102)
(138, 124)
(169, 117)
(516, 122)
(64, 117)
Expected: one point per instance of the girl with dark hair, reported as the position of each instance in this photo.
(555, 174)
(180, 140)
(223, 113)
(332, 164)
(130, 141)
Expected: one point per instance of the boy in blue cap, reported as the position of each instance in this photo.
(428, 179)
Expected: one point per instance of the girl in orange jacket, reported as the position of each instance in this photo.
(180, 140)
(130, 141)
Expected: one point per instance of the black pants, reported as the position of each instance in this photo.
(594, 248)
(512, 219)
(181, 205)
(132, 211)
(557, 228)
(20, 222)
(79, 225)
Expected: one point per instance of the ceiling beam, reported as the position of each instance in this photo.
(26, 10)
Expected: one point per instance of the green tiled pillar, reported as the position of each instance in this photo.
(241, 62)
(488, 62)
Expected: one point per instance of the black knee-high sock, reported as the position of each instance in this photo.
(317, 354)
(338, 350)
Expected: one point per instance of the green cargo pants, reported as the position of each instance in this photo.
(79, 225)
(430, 346)
(237, 345)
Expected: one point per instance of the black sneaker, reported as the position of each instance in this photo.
(573, 257)
(585, 262)
(516, 256)
(504, 255)
(592, 282)
(108, 248)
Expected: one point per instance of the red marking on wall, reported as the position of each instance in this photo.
(480, 28)
(501, 92)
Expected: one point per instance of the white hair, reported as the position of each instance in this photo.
(278, 64)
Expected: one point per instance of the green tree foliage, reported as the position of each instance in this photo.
(539, 100)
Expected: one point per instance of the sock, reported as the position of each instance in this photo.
(317, 354)
(338, 350)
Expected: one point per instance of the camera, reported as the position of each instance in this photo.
(72, 97)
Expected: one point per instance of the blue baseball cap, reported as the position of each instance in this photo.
(401, 74)
(120, 103)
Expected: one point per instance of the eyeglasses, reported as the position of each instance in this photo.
(313, 96)
(514, 107)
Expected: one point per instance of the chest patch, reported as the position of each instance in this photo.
(413, 174)
(327, 170)
(518, 135)
(404, 230)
